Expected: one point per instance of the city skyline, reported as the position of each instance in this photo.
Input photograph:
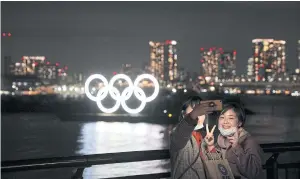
(86, 35)
(163, 61)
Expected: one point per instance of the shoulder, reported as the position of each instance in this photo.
(250, 142)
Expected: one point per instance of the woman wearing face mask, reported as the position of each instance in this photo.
(244, 155)
(186, 139)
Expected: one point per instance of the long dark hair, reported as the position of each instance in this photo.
(191, 101)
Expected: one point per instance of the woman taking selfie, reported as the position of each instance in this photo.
(243, 154)
(186, 139)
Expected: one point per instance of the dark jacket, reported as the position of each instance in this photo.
(186, 162)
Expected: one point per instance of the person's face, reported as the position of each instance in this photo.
(228, 120)
(200, 118)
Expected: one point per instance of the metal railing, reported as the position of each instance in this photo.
(85, 161)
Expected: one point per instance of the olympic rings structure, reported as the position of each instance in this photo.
(121, 98)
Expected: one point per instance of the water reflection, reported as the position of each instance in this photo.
(104, 137)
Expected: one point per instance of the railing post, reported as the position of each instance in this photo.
(78, 174)
(272, 167)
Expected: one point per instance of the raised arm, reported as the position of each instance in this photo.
(182, 133)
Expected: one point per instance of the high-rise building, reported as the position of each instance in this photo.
(77, 78)
(32, 62)
(227, 65)
(157, 60)
(298, 54)
(250, 68)
(48, 73)
(170, 63)
(6, 65)
(269, 59)
(125, 68)
(18, 68)
(163, 61)
(210, 63)
(182, 75)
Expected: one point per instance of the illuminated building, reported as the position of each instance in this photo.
(182, 75)
(250, 68)
(298, 54)
(32, 62)
(170, 62)
(47, 73)
(157, 60)
(269, 59)
(227, 65)
(18, 69)
(62, 73)
(210, 63)
(78, 77)
(125, 68)
(163, 61)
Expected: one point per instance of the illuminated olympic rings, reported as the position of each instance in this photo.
(121, 98)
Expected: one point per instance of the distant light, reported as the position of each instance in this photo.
(114, 73)
(9, 34)
(185, 90)
(34, 58)
(234, 52)
(165, 111)
(3, 34)
(57, 64)
(173, 42)
(204, 90)
(151, 43)
(201, 49)
(169, 115)
(174, 90)
(207, 78)
(168, 42)
(48, 63)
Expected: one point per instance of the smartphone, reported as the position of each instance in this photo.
(217, 103)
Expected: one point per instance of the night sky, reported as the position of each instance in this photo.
(100, 36)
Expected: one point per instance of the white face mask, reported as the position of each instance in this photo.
(227, 132)
(199, 126)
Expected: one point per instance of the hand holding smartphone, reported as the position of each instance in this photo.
(217, 104)
(206, 107)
